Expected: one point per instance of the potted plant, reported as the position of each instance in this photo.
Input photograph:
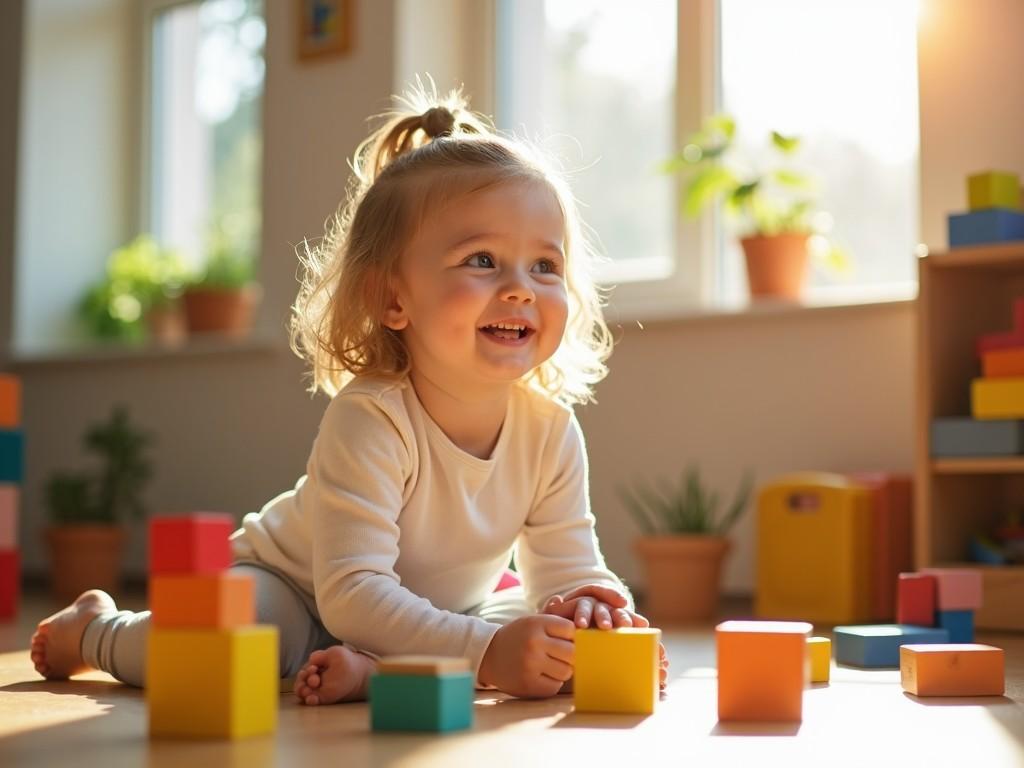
(86, 536)
(223, 300)
(139, 295)
(773, 207)
(684, 542)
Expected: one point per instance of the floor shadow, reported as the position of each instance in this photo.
(609, 721)
(755, 729)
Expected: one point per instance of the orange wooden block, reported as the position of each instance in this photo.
(1003, 362)
(762, 669)
(10, 401)
(202, 600)
(961, 669)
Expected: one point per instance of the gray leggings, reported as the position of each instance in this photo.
(116, 642)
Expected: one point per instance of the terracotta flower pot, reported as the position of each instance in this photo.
(85, 557)
(776, 265)
(166, 324)
(683, 575)
(210, 310)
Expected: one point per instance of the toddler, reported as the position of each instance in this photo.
(450, 316)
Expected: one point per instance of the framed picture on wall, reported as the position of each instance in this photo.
(325, 28)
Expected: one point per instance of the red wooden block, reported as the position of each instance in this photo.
(916, 599)
(196, 543)
(10, 583)
(891, 551)
(993, 341)
(1018, 314)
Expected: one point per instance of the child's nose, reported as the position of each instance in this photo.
(517, 289)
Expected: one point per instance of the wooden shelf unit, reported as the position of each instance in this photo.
(963, 294)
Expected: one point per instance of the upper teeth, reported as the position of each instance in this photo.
(509, 326)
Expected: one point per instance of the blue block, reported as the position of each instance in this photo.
(989, 225)
(12, 449)
(964, 436)
(878, 645)
(959, 624)
(421, 702)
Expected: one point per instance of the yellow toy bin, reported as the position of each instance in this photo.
(813, 549)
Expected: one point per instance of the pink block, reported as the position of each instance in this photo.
(8, 516)
(958, 589)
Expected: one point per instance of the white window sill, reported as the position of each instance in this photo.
(822, 299)
(211, 345)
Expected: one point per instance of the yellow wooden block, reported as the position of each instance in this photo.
(814, 549)
(1001, 398)
(616, 670)
(993, 189)
(212, 683)
(819, 652)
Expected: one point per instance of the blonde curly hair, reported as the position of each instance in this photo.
(426, 152)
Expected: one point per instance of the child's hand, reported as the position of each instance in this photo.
(530, 657)
(594, 605)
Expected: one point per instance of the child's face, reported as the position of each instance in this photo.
(487, 258)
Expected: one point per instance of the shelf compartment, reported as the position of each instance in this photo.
(978, 465)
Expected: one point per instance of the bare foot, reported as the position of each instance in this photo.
(334, 674)
(57, 642)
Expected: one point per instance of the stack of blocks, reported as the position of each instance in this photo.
(616, 670)
(763, 668)
(11, 475)
(995, 216)
(421, 693)
(830, 546)
(210, 671)
(935, 606)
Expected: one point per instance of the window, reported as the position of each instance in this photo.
(205, 127)
(629, 83)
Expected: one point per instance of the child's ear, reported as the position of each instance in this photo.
(394, 316)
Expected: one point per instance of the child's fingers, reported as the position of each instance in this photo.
(608, 595)
(602, 616)
(558, 627)
(622, 618)
(638, 620)
(584, 611)
(553, 601)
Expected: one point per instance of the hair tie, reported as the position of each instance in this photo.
(437, 121)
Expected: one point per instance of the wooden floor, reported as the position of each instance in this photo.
(860, 718)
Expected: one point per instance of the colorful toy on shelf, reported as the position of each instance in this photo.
(210, 671)
(878, 645)
(952, 670)
(616, 670)
(819, 650)
(994, 211)
(998, 398)
(762, 670)
(421, 693)
(11, 472)
(915, 600)
(963, 436)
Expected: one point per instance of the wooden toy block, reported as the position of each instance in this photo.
(964, 436)
(202, 600)
(891, 551)
(1003, 363)
(993, 342)
(952, 670)
(878, 645)
(616, 670)
(813, 549)
(10, 583)
(915, 601)
(196, 543)
(421, 693)
(993, 225)
(1018, 314)
(12, 461)
(993, 189)
(959, 624)
(10, 401)
(819, 650)
(762, 669)
(219, 683)
(9, 498)
(997, 398)
(956, 589)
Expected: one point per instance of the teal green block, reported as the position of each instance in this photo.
(12, 460)
(421, 702)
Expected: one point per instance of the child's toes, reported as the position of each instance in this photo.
(312, 700)
(313, 680)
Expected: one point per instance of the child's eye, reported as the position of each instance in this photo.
(546, 266)
(483, 260)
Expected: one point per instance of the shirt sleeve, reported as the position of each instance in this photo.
(557, 549)
(360, 465)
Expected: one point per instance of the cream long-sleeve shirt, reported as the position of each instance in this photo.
(397, 532)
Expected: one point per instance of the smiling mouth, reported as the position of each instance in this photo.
(507, 331)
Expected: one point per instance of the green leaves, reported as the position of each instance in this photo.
(785, 144)
(708, 184)
(690, 508)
